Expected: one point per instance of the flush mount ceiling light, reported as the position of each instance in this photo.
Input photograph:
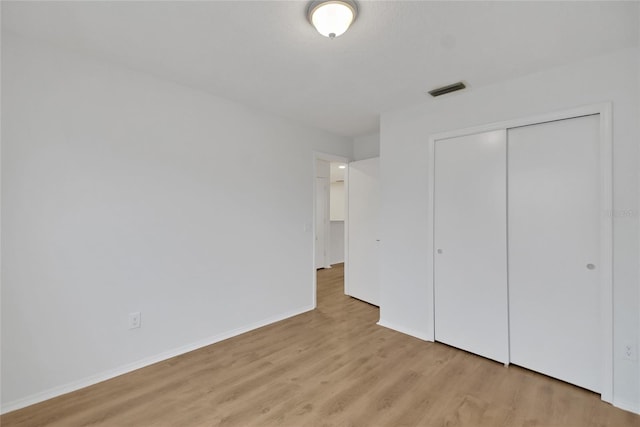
(332, 17)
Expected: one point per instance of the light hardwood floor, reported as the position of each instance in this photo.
(329, 367)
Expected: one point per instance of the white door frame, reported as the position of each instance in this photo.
(318, 155)
(606, 218)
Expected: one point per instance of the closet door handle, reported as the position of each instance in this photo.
(439, 251)
(591, 266)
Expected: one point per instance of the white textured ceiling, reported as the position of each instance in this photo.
(266, 55)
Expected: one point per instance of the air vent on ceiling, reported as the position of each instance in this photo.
(447, 89)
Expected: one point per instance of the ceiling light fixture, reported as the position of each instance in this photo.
(342, 167)
(332, 17)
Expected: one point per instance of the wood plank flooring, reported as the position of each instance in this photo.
(329, 367)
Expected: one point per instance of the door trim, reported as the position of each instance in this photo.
(606, 218)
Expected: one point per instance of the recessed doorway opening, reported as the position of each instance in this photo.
(330, 214)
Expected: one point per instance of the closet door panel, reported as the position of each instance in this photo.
(470, 277)
(554, 248)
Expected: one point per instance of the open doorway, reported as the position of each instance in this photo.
(330, 213)
(329, 219)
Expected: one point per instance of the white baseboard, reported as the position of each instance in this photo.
(112, 373)
(627, 406)
(406, 331)
(618, 403)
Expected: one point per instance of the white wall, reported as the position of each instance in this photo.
(637, 342)
(404, 170)
(337, 207)
(122, 193)
(323, 228)
(337, 201)
(322, 169)
(366, 146)
(336, 255)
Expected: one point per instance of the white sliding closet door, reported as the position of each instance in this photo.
(470, 214)
(554, 249)
(363, 280)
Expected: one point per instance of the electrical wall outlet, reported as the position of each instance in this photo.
(135, 320)
(629, 351)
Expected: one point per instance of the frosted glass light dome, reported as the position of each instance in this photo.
(332, 17)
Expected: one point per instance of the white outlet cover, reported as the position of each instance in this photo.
(135, 320)
(629, 351)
